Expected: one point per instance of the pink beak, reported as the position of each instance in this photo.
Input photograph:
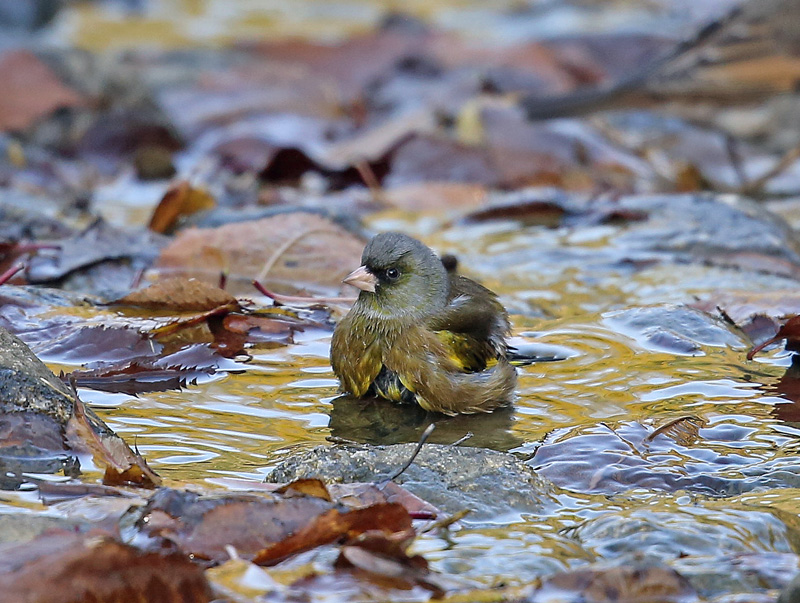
(361, 278)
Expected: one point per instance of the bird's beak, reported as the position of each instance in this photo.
(361, 278)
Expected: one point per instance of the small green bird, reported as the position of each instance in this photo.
(420, 334)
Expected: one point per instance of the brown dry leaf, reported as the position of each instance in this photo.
(334, 525)
(354, 495)
(742, 306)
(684, 430)
(384, 559)
(180, 294)
(626, 584)
(122, 465)
(203, 526)
(305, 487)
(293, 248)
(181, 199)
(362, 494)
(31, 91)
(64, 567)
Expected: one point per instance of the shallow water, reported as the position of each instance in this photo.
(583, 422)
(720, 507)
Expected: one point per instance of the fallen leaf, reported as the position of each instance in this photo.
(122, 465)
(181, 199)
(684, 430)
(203, 526)
(305, 487)
(425, 158)
(98, 243)
(180, 295)
(334, 525)
(150, 374)
(436, 196)
(64, 567)
(385, 559)
(355, 495)
(292, 249)
(31, 91)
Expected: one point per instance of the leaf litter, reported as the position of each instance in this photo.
(405, 117)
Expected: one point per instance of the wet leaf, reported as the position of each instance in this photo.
(62, 567)
(333, 525)
(684, 430)
(384, 559)
(122, 465)
(149, 374)
(181, 199)
(98, 243)
(293, 248)
(180, 295)
(31, 91)
(203, 526)
(528, 211)
(305, 487)
(355, 495)
(436, 196)
(78, 342)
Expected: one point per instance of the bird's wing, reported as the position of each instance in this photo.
(424, 365)
(473, 325)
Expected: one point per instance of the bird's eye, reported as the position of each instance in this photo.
(392, 274)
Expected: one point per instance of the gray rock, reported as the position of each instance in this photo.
(27, 385)
(35, 407)
(490, 484)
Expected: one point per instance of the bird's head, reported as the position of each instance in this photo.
(399, 276)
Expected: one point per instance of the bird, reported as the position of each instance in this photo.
(419, 333)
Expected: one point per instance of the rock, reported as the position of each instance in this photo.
(490, 484)
(27, 385)
(35, 408)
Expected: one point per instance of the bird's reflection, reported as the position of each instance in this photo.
(787, 387)
(377, 421)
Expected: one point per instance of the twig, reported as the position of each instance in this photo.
(446, 522)
(367, 174)
(283, 248)
(423, 438)
(788, 159)
(300, 299)
(603, 96)
(732, 148)
(463, 439)
(9, 274)
(137, 278)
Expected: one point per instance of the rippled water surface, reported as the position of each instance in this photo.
(584, 422)
(718, 502)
